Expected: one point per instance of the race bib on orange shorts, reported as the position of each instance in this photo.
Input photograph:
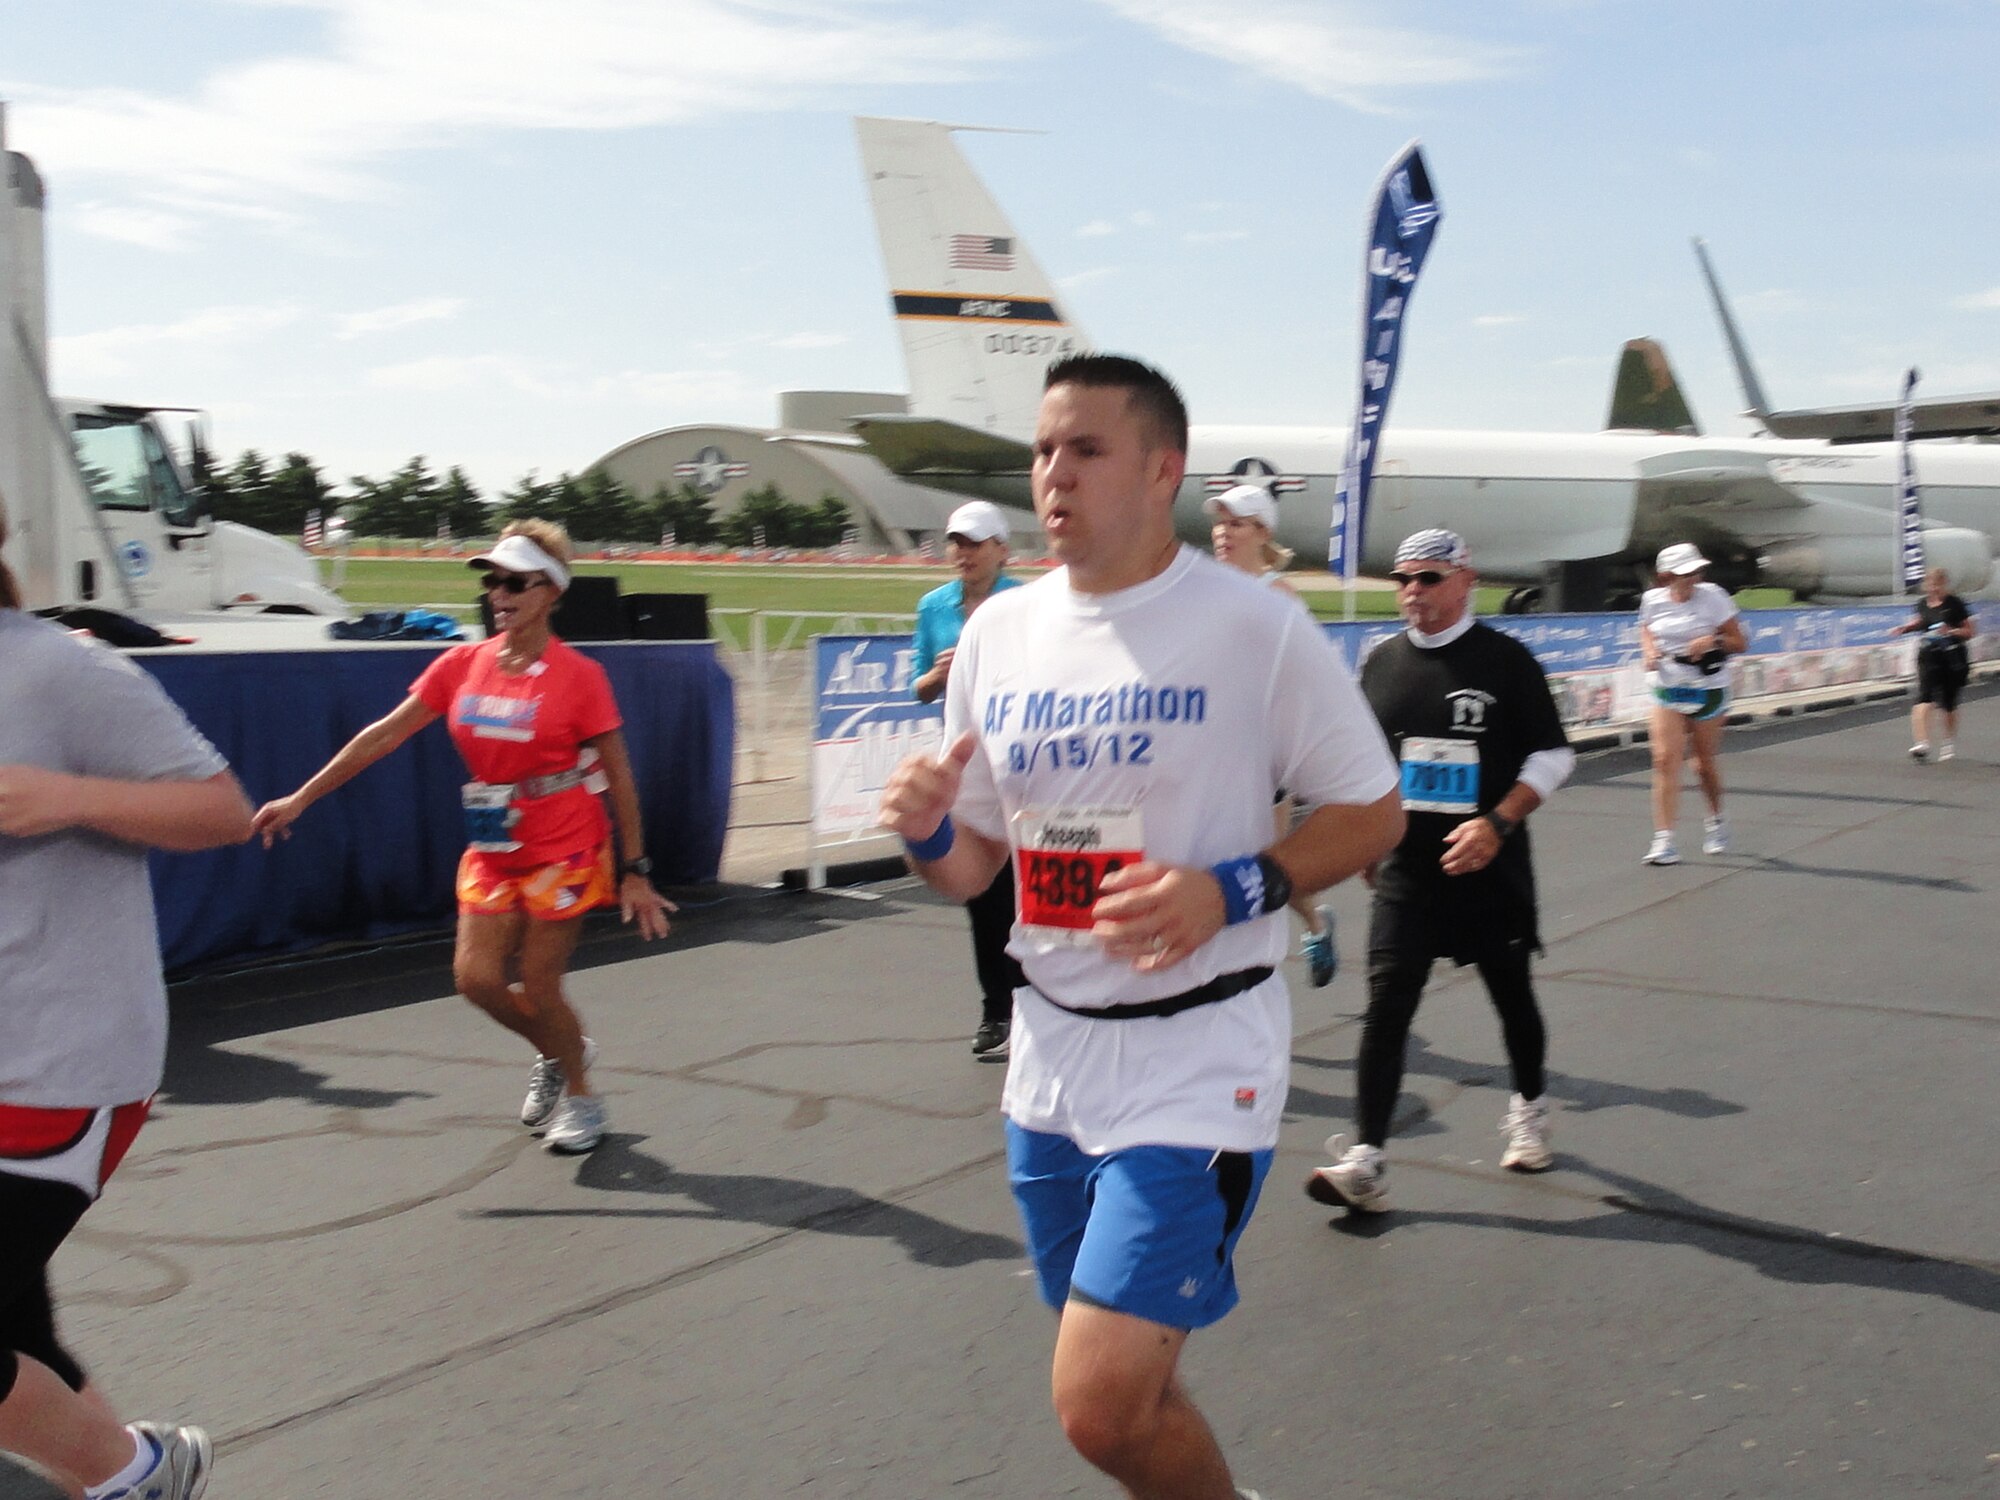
(1061, 858)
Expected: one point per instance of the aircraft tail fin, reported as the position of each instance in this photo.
(980, 321)
(1645, 396)
(1746, 374)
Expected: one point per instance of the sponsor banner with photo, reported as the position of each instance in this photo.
(864, 721)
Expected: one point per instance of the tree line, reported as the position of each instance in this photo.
(417, 502)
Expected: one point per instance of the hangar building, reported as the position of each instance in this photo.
(809, 454)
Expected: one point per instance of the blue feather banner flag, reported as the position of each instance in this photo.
(1401, 223)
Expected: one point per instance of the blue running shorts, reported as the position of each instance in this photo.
(1150, 1231)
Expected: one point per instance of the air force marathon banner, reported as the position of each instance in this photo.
(1909, 508)
(1405, 217)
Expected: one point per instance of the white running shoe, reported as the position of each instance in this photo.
(545, 1087)
(181, 1473)
(579, 1125)
(1662, 851)
(1355, 1180)
(1527, 1130)
(1714, 835)
(1948, 751)
(1920, 751)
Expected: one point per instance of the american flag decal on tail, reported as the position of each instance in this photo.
(982, 252)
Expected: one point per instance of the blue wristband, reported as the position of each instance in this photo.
(1242, 882)
(937, 846)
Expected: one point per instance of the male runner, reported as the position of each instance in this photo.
(1469, 714)
(1119, 727)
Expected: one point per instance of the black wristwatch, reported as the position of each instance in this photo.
(643, 865)
(1502, 824)
(1277, 884)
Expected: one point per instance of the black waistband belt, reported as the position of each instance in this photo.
(1222, 987)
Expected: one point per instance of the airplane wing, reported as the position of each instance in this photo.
(1935, 417)
(928, 448)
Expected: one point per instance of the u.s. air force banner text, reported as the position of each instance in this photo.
(864, 722)
(1401, 223)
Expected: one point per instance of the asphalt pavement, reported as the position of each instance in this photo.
(1767, 1262)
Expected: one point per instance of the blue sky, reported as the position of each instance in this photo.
(512, 234)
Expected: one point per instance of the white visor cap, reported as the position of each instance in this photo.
(521, 554)
(978, 521)
(1252, 502)
(1682, 557)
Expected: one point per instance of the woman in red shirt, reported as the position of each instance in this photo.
(540, 733)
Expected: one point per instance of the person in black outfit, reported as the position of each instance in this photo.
(1943, 625)
(1470, 717)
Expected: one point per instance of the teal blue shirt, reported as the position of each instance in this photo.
(941, 616)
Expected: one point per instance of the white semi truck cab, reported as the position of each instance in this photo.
(101, 511)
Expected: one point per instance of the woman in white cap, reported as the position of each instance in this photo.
(1244, 537)
(1688, 630)
(539, 731)
(975, 544)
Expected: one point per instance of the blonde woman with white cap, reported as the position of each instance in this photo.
(1688, 630)
(539, 730)
(1243, 536)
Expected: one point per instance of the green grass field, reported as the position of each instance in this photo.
(828, 592)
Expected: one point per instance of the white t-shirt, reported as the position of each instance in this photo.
(1674, 624)
(1181, 705)
(83, 1010)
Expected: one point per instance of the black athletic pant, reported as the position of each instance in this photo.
(1395, 985)
(35, 1218)
(992, 914)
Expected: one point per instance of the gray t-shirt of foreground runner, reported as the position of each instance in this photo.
(83, 1009)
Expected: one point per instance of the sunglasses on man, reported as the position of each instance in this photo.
(1428, 578)
(511, 583)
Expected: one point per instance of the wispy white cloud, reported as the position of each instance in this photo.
(1096, 229)
(402, 315)
(1077, 279)
(1331, 48)
(809, 339)
(1214, 236)
(131, 224)
(396, 77)
(1986, 301)
(673, 391)
(81, 358)
(1497, 320)
(1142, 218)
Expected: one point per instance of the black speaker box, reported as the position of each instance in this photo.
(589, 610)
(667, 617)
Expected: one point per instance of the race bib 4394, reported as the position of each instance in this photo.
(1061, 859)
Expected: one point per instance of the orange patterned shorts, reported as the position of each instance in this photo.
(550, 893)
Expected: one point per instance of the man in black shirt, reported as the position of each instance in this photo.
(1469, 715)
(1943, 626)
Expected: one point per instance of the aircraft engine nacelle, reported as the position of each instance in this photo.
(1859, 567)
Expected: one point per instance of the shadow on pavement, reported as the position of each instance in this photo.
(619, 1166)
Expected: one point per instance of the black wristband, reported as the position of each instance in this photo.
(1277, 884)
(1501, 823)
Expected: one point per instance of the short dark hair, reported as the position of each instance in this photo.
(1152, 395)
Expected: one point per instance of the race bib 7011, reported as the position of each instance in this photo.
(1440, 775)
(1061, 859)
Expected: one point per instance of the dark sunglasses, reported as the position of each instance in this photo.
(1427, 579)
(512, 583)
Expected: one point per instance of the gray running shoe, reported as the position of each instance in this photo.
(181, 1473)
(579, 1125)
(1355, 1180)
(1322, 962)
(1662, 851)
(545, 1087)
